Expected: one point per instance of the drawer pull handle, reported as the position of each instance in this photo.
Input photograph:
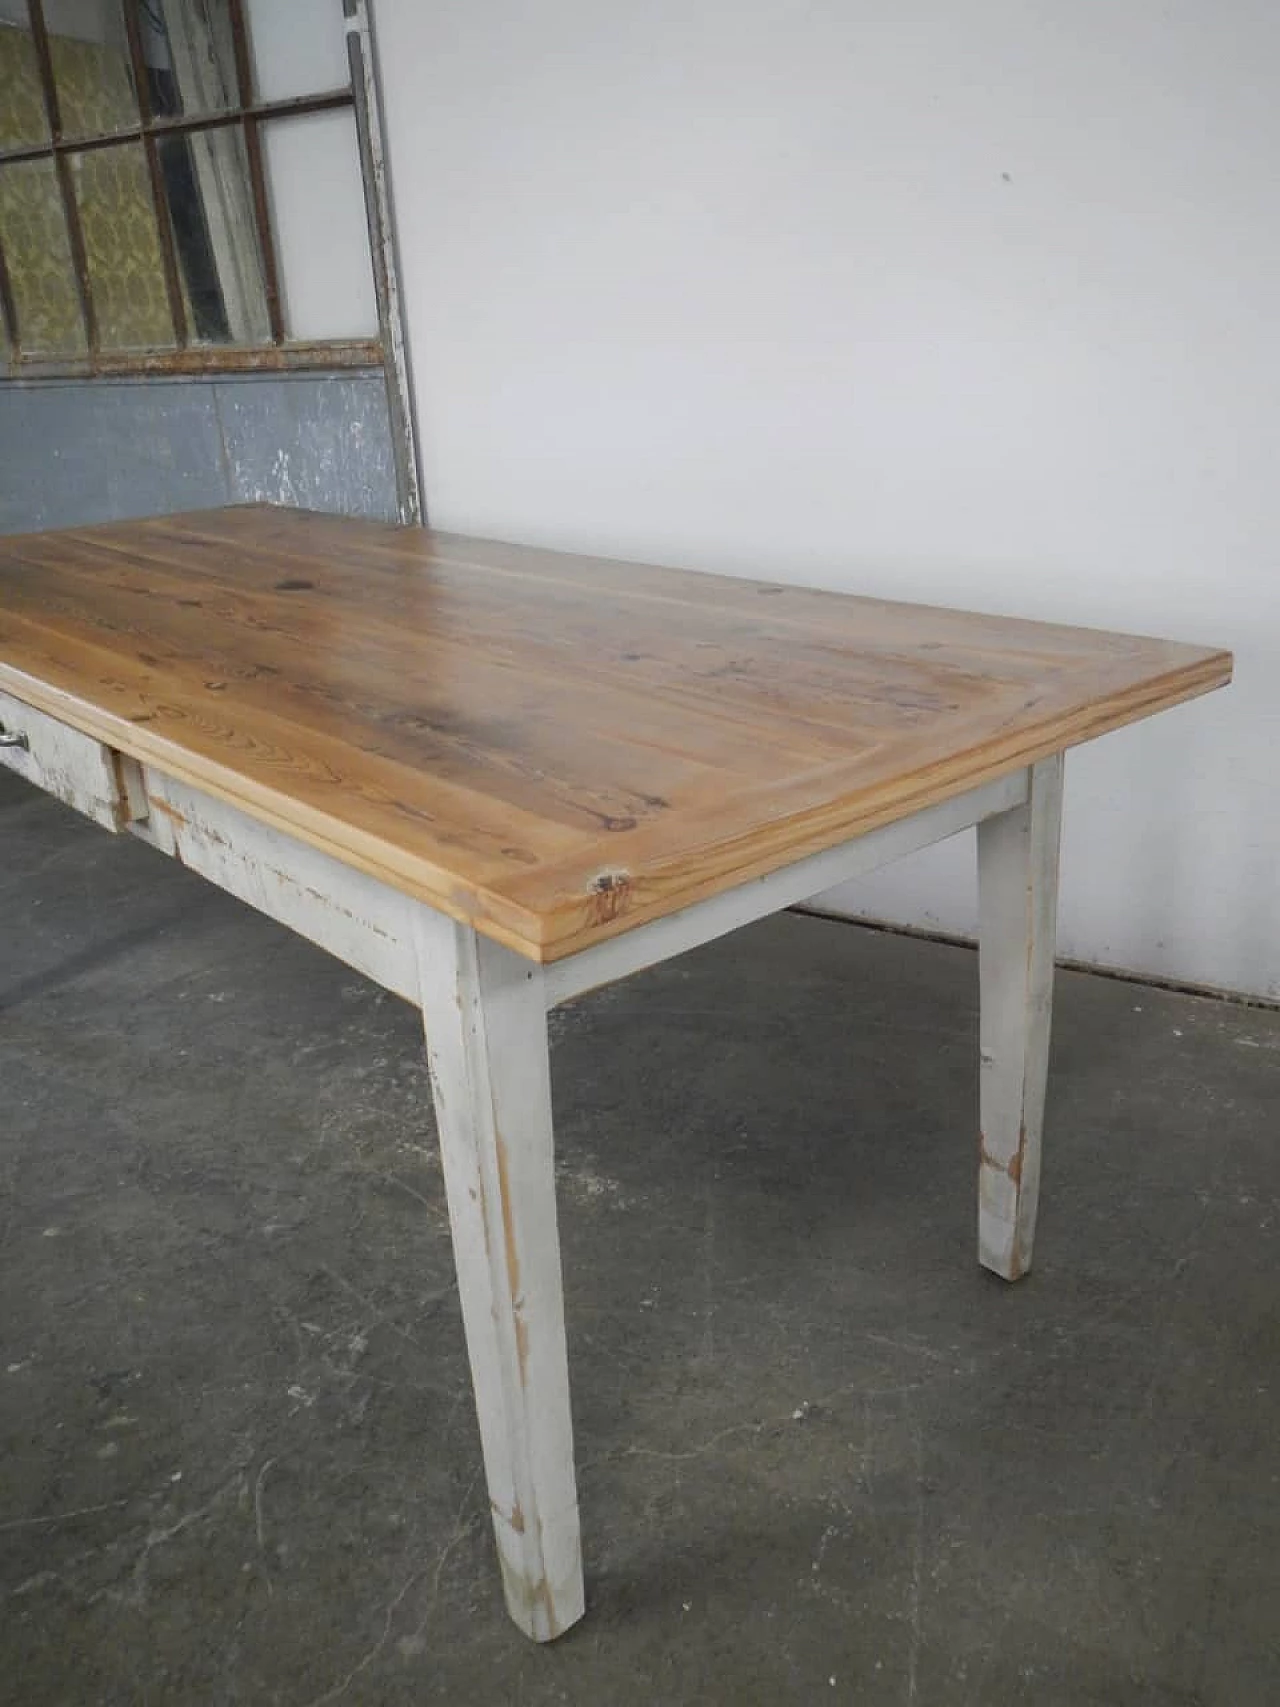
(8, 740)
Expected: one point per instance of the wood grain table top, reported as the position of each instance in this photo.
(554, 747)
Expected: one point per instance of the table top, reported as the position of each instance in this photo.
(554, 747)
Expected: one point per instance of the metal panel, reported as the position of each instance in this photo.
(73, 453)
(323, 443)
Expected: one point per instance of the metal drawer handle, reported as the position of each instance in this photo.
(7, 740)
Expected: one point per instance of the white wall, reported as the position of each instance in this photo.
(972, 301)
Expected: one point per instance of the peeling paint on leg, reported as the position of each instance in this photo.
(1013, 1167)
(515, 1517)
(542, 1609)
(1019, 1156)
(513, 1260)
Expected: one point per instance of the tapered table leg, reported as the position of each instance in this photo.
(484, 1012)
(1017, 907)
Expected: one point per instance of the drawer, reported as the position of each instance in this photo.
(62, 761)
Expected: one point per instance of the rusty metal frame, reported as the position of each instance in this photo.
(294, 106)
(66, 189)
(362, 58)
(184, 358)
(206, 359)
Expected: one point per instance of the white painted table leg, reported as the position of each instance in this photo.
(1017, 909)
(484, 1010)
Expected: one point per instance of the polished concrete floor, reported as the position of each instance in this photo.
(823, 1458)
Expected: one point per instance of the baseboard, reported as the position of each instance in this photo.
(1180, 986)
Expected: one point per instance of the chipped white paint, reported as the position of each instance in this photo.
(1017, 909)
(74, 767)
(650, 944)
(354, 917)
(484, 1010)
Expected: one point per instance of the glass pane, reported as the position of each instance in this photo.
(206, 177)
(126, 275)
(22, 114)
(299, 49)
(190, 52)
(39, 260)
(91, 70)
(322, 241)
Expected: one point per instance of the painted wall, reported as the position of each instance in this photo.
(971, 301)
(77, 452)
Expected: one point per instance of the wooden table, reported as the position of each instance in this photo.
(491, 778)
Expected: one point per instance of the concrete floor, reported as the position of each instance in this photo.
(823, 1458)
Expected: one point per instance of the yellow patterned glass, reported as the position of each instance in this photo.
(39, 260)
(93, 75)
(122, 244)
(22, 114)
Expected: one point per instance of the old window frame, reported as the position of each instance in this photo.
(251, 114)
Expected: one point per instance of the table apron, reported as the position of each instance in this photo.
(758, 897)
(360, 921)
(370, 926)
